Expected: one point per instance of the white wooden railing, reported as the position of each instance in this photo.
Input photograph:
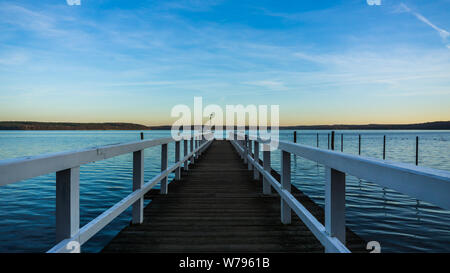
(69, 235)
(423, 183)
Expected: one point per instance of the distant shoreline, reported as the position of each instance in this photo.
(111, 126)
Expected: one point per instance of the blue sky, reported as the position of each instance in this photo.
(323, 62)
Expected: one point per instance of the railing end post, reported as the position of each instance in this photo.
(335, 203)
(67, 203)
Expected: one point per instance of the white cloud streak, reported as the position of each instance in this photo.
(14, 58)
(268, 84)
(189, 5)
(442, 32)
(400, 71)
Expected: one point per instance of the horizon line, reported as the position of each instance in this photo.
(246, 125)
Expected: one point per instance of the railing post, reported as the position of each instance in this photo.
(332, 140)
(164, 163)
(67, 203)
(417, 150)
(200, 141)
(359, 144)
(138, 182)
(185, 147)
(267, 189)
(256, 158)
(328, 141)
(245, 149)
(192, 159)
(177, 160)
(285, 185)
(335, 204)
(241, 144)
(250, 166)
(196, 147)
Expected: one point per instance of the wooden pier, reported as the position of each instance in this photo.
(225, 196)
(217, 206)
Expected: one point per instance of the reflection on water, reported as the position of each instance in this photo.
(398, 222)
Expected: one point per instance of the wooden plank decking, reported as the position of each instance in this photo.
(218, 207)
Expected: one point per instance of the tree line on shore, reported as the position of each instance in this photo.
(30, 125)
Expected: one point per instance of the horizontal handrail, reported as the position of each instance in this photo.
(420, 182)
(17, 169)
(423, 183)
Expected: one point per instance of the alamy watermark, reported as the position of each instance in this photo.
(73, 247)
(374, 247)
(374, 2)
(73, 2)
(235, 119)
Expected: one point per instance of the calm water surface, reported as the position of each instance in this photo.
(398, 222)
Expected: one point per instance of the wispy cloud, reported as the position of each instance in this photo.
(145, 83)
(27, 19)
(14, 58)
(442, 32)
(415, 93)
(190, 5)
(393, 69)
(269, 84)
(303, 16)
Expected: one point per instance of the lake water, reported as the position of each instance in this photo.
(400, 223)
